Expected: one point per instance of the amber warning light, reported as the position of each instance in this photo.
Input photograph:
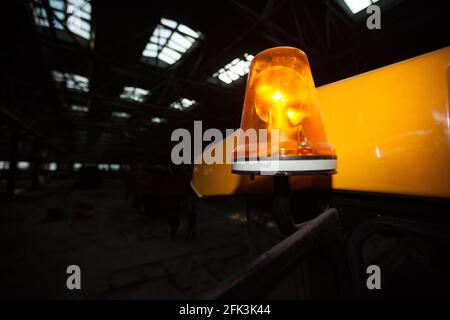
(281, 100)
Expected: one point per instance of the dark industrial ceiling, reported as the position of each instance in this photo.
(36, 112)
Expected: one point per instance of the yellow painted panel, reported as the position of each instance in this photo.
(390, 127)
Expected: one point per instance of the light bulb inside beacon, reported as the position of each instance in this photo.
(281, 96)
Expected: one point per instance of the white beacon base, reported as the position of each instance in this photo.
(296, 165)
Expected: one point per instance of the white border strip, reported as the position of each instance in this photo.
(273, 166)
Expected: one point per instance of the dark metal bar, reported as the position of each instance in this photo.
(143, 72)
(257, 16)
(51, 13)
(261, 275)
(298, 28)
(281, 205)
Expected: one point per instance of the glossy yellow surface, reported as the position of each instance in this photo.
(390, 128)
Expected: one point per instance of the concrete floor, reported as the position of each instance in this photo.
(122, 254)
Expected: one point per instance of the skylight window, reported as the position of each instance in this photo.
(121, 115)
(356, 6)
(79, 108)
(134, 94)
(157, 120)
(23, 165)
(72, 81)
(103, 166)
(75, 14)
(183, 104)
(4, 165)
(52, 166)
(170, 41)
(234, 70)
(114, 167)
